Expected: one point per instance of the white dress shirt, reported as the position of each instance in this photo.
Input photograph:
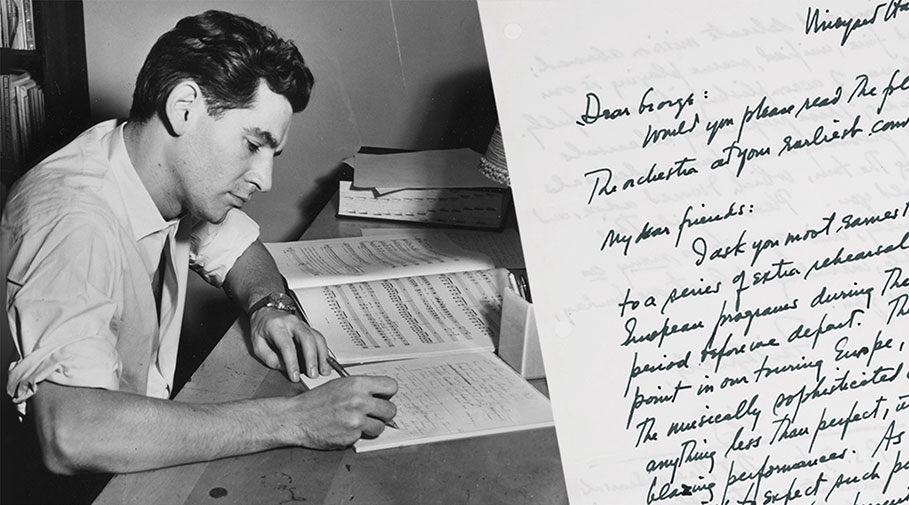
(81, 241)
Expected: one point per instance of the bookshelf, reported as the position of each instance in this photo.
(58, 66)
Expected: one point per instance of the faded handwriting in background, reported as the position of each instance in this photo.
(714, 206)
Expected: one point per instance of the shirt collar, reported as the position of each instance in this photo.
(143, 214)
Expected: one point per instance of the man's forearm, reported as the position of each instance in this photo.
(85, 429)
(253, 276)
(277, 337)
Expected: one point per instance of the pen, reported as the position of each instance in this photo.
(524, 287)
(337, 367)
(332, 362)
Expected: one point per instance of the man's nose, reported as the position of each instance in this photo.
(260, 173)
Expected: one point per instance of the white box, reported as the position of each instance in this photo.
(519, 342)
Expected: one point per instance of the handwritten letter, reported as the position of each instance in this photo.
(714, 205)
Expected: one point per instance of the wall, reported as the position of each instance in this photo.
(406, 74)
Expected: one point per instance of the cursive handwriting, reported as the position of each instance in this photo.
(594, 111)
(882, 11)
(842, 257)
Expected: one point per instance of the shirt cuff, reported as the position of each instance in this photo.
(215, 247)
(88, 362)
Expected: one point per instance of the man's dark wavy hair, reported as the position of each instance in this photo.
(226, 55)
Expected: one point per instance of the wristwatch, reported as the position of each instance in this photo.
(279, 301)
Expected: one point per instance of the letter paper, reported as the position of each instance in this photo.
(713, 200)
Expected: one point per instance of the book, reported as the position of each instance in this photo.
(31, 99)
(4, 24)
(395, 296)
(11, 118)
(28, 25)
(14, 18)
(22, 85)
(18, 84)
(434, 187)
(6, 127)
(453, 397)
(42, 112)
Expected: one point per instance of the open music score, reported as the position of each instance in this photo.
(407, 317)
(453, 396)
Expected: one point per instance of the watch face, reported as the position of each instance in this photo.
(281, 301)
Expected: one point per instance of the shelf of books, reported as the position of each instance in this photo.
(21, 96)
(24, 116)
(18, 29)
(43, 80)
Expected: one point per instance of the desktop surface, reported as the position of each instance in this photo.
(519, 467)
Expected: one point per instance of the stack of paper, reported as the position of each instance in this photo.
(439, 186)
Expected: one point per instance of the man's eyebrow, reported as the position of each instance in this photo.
(263, 135)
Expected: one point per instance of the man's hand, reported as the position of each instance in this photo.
(277, 335)
(340, 412)
(92, 429)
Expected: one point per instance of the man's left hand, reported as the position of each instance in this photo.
(277, 335)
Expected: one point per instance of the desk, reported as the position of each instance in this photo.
(512, 468)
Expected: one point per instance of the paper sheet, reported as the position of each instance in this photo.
(714, 204)
(440, 168)
(408, 317)
(328, 262)
(503, 248)
(469, 208)
(456, 396)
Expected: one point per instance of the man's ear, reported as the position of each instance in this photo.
(184, 102)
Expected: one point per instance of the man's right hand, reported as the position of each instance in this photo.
(340, 412)
(92, 429)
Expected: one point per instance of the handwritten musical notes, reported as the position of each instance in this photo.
(453, 396)
(714, 205)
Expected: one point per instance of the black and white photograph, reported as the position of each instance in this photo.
(394, 252)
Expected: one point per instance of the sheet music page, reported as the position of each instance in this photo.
(408, 317)
(455, 396)
(328, 262)
(714, 203)
(502, 247)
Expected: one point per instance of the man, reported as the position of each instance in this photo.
(97, 241)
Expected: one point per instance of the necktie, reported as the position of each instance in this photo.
(158, 278)
(164, 289)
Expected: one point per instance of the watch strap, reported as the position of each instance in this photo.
(278, 301)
